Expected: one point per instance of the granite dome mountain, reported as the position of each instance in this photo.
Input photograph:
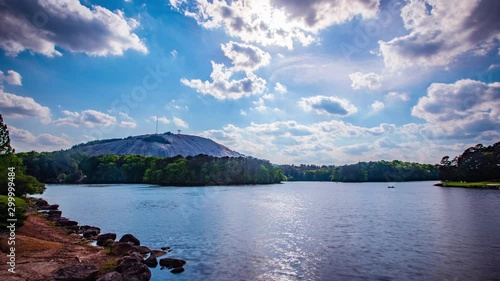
(159, 145)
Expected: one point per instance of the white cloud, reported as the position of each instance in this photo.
(464, 109)
(126, 121)
(396, 97)
(275, 22)
(243, 112)
(260, 105)
(21, 107)
(365, 80)
(23, 140)
(161, 119)
(280, 88)
(439, 31)
(86, 118)
(41, 25)
(493, 66)
(222, 87)
(377, 105)
(245, 57)
(180, 123)
(328, 142)
(328, 105)
(12, 78)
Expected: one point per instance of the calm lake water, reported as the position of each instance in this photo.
(302, 230)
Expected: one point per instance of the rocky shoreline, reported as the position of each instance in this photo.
(59, 249)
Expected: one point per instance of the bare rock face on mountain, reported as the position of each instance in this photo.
(159, 145)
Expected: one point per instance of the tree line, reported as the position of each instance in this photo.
(373, 171)
(477, 163)
(75, 167)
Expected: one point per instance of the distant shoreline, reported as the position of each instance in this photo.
(476, 185)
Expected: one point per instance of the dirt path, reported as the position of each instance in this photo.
(41, 248)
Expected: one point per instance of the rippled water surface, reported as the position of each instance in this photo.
(302, 230)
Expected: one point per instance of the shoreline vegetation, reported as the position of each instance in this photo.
(478, 185)
(72, 167)
(51, 247)
(200, 170)
(477, 167)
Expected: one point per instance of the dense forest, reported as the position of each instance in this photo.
(307, 172)
(379, 171)
(74, 167)
(477, 163)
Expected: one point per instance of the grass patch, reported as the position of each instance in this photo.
(25, 244)
(477, 184)
(107, 266)
(20, 211)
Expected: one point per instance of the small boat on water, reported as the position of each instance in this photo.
(391, 186)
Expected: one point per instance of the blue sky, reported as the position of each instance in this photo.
(319, 81)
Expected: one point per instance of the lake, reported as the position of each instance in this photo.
(302, 230)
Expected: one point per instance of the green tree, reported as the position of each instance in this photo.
(5, 147)
(24, 184)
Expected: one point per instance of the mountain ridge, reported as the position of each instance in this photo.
(158, 145)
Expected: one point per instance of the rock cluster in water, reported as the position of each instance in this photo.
(133, 264)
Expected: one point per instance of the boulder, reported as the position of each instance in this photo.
(111, 276)
(91, 232)
(103, 237)
(138, 272)
(78, 272)
(172, 263)
(72, 228)
(50, 207)
(158, 253)
(66, 222)
(53, 214)
(177, 270)
(132, 268)
(142, 249)
(128, 261)
(109, 243)
(121, 249)
(39, 202)
(151, 261)
(87, 227)
(130, 238)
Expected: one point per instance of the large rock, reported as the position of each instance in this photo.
(91, 232)
(111, 276)
(160, 145)
(172, 263)
(109, 243)
(87, 227)
(177, 270)
(121, 249)
(101, 239)
(158, 253)
(66, 222)
(49, 207)
(151, 261)
(53, 214)
(39, 202)
(132, 268)
(128, 261)
(130, 238)
(78, 272)
(142, 249)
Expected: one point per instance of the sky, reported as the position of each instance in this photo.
(290, 81)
